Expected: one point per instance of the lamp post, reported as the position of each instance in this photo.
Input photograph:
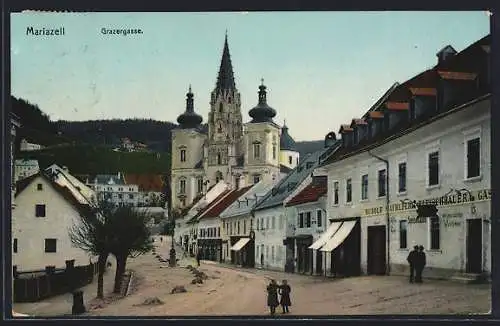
(172, 254)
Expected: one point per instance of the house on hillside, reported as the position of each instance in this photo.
(238, 227)
(25, 168)
(151, 188)
(26, 146)
(416, 170)
(47, 207)
(276, 234)
(310, 214)
(112, 187)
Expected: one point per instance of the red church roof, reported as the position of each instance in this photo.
(311, 193)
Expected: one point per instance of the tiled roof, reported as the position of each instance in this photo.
(209, 206)
(471, 60)
(376, 115)
(64, 191)
(358, 122)
(397, 106)
(146, 182)
(289, 183)
(457, 75)
(103, 179)
(219, 207)
(284, 169)
(310, 193)
(344, 128)
(244, 203)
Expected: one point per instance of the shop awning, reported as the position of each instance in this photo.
(339, 236)
(240, 244)
(326, 235)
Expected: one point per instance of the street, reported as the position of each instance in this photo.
(233, 291)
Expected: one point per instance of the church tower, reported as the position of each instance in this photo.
(225, 130)
(262, 140)
(187, 176)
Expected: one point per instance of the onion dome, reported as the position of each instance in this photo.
(262, 112)
(286, 141)
(189, 119)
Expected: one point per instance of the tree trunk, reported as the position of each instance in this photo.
(101, 263)
(121, 263)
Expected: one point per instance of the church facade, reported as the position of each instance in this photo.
(231, 151)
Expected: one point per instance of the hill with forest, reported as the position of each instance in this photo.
(87, 146)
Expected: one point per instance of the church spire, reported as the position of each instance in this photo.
(225, 79)
(189, 119)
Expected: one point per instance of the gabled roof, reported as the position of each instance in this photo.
(66, 193)
(245, 202)
(146, 182)
(285, 169)
(218, 208)
(311, 193)
(289, 183)
(463, 65)
(205, 209)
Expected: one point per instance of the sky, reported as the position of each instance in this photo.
(322, 69)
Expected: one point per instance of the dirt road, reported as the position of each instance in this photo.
(230, 291)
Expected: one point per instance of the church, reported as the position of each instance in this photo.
(238, 153)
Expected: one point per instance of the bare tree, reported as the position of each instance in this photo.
(92, 234)
(131, 237)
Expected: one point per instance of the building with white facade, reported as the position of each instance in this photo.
(210, 243)
(238, 227)
(26, 146)
(426, 143)
(47, 207)
(14, 125)
(186, 232)
(310, 213)
(236, 152)
(275, 223)
(113, 188)
(25, 168)
(151, 188)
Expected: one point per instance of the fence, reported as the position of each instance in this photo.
(37, 285)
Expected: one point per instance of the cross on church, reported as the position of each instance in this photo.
(262, 81)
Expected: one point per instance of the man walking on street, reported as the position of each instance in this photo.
(411, 260)
(420, 264)
(198, 257)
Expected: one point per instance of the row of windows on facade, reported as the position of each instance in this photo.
(473, 170)
(305, 220)
(434, 231)
(256, 154)
(108, 195)
(270, 223)
(269, 253)
(233, 228)
(209, 232)
(50, 245)
(200, 183)
(98, 188)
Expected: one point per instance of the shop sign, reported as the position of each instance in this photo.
(454, 199)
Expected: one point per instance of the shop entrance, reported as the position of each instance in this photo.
(474, 246)
(376, 250)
